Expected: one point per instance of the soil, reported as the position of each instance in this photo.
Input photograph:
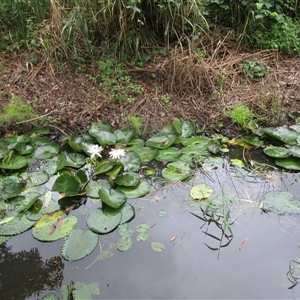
(69, 101)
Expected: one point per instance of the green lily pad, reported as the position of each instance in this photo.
(74, 142)
(133, 144)
(277, 152)
(168, 155)
(128, 179)
(295, 151)
(75, 160)
(124, 244)
(138, 191)
(162, 213)
(289, 163)
(79, 244)
(111, 197)
(85, 291)
(103, 166)
(283, 134)
(35, 178)
(103, 133)
(17, 162)
(146, 154)
(131, 162)
(202, 141)
(93, 187)
(10, 190)
(52, 227)
(161, 140)
(67, 185)
(237, 162)
(4, 239)
(53, 165)
(142, 227)
(253, 140)
(104, 221)
(177, 125)
(187, 129)
(15, 225)
(157, 246)
(177, 171)
(281, 202)
(201, 191)
(46, 151)
(124, 135)
(128, 213)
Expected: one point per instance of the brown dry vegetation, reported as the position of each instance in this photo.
(201, 89)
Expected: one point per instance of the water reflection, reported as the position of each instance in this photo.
(24, 273)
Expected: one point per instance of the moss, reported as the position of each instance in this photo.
(15, 110)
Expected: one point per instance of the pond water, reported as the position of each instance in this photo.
(252, 262)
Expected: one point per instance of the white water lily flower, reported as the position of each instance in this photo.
(95, 150)
(117, 153)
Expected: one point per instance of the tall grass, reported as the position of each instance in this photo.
(79, 29)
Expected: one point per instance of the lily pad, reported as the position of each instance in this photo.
(85, 291)
(67, 185)
(131, 162)
(15, 225)
(128, 179)
(52, 227)
(146, 154)
(157, 246)
(128, 213)
(289, 163)
(111, 197)
(133, 144)
(124, 244)
(283, 134)
(161, 140)
(276, 152)
(168, 155)
(177, 171)
(281, 202)
(17, 162)
(75, 160)
(103, 166)
(54, 164)
(104, 221)
(93, 187)
(295, 151)
(201, 191)
(10, 190)
(35, 178)
(79, 244)
(187, 129)
(46, 151)
(138, 191)
(103, 133)
(124, 135)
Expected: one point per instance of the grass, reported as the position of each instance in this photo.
(16, 110)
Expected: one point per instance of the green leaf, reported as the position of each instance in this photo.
(131, 162)
(290, 163)
(237, 162)
(66, 184)
(124, 244)
(15, 163)
(52, 227)
(79, 244)
(15, 225)
(93, 187)
(161, 140)
(54, 164)
(75, 160)
(138, 191)
(146, 154)
(201, 191)
(281, 202)
(10, 190)
(133, 144)
(168, 155)
(46, 151)
(142, 236)
(187, 129)
(103, 166)
(124, 135)
(83, 291)
(103, 133)
(74, 142)
(104, 221)
(177, 171)
(277, 152)
(158, 247)
(128, 213)
(283, 134)
(35, 178)
(128, 179)
(162, 213)
(142, 227)
(112, 198)
(295, 151)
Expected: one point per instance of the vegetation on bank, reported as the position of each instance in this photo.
(187, 35)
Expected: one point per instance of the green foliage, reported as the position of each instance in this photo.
(16, 110)
(241, 115)
(135, 122)
(255, 69)
(116, 81)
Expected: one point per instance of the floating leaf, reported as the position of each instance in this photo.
(187, 129)
(277, 152)
(17, 162)
(93, 187)
(124, 244)
(66, 184)
(202, 141)
(79, 244)
(104, 221)
(128, 213)
(290, 163)
(131, 162)
(75, 160)
(142, 236)
(283, 134)
(201, 191)
(111, 197)
(162, 213)
(35, 178)
(177, 171)
(161, 140)
(146, 154)
(16, 225)
(282, 202)
(124, 135)
(54, 164)
(74, 142)
(168, 155)
(237, 163)
(4, 239)
(142, 227)
(133, 144)
(10, 190)
(46, 151)
(103, 133)
(138, 191)
(253, 140)
(83, 291)
(128, 179)
(295, 151)
(103, 166)
(158, 247)
(52, 227)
